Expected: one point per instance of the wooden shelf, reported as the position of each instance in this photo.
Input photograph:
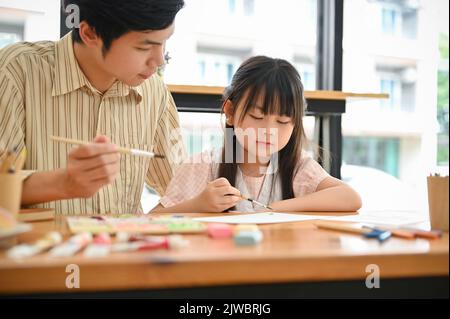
(319, 95)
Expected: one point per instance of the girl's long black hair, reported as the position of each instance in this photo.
(279, 85)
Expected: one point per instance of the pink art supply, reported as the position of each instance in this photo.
(161, 243)
(102, 238)
(145, 243)
(100, 247)
(216, 230)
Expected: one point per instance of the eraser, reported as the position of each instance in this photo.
(220, 230)
(247, 237)
(102, 239)
(246, 227)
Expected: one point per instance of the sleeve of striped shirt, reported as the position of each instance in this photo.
(168, 142)
(12, 117)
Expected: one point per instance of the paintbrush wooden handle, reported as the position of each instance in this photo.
(122, 150)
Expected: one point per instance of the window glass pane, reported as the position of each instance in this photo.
(392, 47)
(214, 37)
(9, 37)
(29, 20)
(442, 103)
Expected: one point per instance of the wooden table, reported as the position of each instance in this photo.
(294, 260)
(326, 106)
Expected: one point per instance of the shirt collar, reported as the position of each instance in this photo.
(69, 77)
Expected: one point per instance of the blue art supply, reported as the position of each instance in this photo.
(379, 234)
(246, 238)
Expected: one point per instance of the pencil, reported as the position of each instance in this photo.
(7, 165)
(343, 227)
(122, 150)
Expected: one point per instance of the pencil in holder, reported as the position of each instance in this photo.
(438, 201)
(11, 192)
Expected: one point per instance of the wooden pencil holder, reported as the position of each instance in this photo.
(438, 202)
(11, 192)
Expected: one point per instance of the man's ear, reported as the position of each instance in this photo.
(89, 36)
(228, 110)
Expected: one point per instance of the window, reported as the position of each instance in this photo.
(409, 23)
(390, 21)
(307, 73)
(442, 104)
(29, 20)
(249, 7)
(385, 46)
(7, 38)
(232, 6)
(380, 153)
(391, 85)
(400, 84)
(241, 7)
(214, 37)
(399, 18)
(199, 136)
(217, 68)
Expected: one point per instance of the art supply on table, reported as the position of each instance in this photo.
(411, 233)
(50, 240)
(438, 193)
(145, 243)
(73, 245)
(13, 161)
(258, 218)
(216, 230)
(379, 234)
(10, 228)
(389, 218)
(184, 226)
(11, 181)
(395, 232)
(91, 225)
(36, 214)
(133, 224)
(100, 246)
(7, 220)
(247, 235)
(122, 237)
(6, 164)
(246, 227)
(122, 150)
(426, 234)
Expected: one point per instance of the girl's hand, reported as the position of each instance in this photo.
(218, 196)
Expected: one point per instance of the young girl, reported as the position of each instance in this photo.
(262, 157)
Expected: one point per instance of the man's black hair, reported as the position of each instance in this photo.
(111, 19)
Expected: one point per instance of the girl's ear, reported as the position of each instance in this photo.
(228, 110)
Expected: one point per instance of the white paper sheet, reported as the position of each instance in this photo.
(259, 218)
(387, 218)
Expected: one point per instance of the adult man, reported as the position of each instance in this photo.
(97, 83)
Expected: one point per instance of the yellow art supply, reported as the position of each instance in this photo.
(245, 227)
(20, 160)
